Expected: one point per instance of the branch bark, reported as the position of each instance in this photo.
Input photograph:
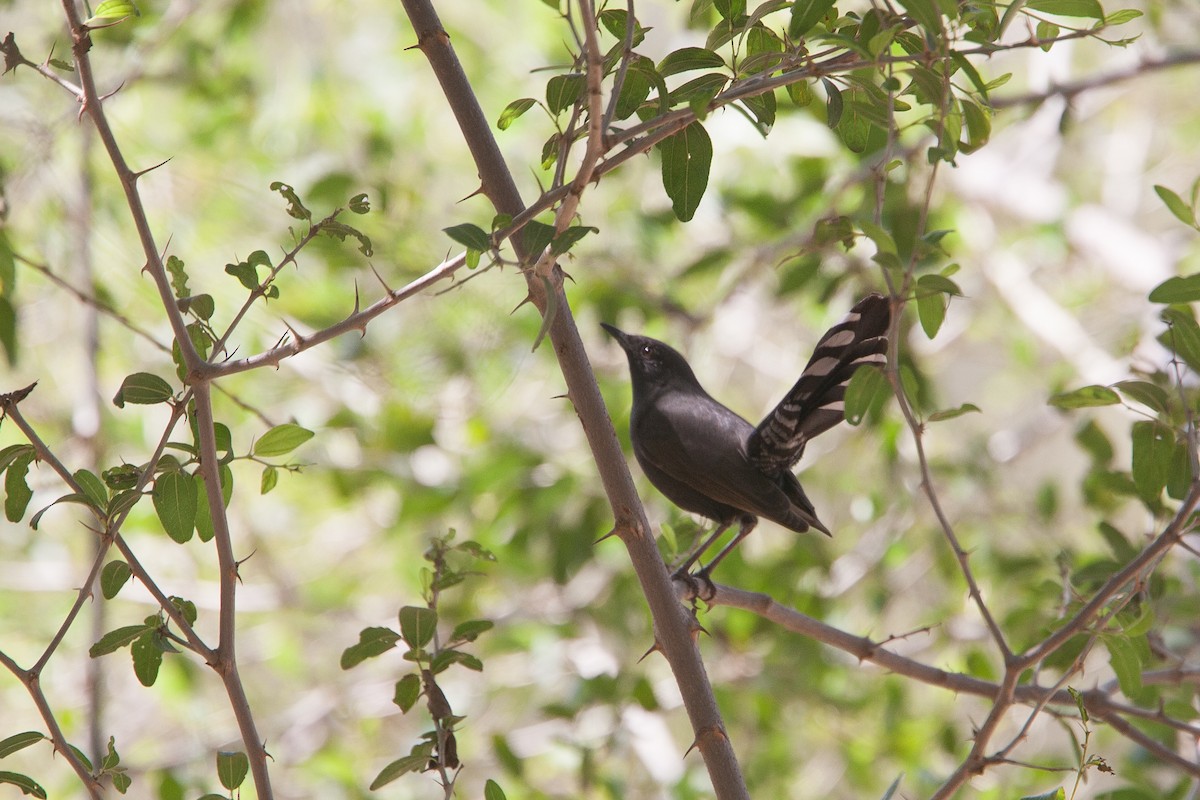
(673, 625)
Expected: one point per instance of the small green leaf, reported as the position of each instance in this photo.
(186, 607)
(931, 310)
(371, 642)
(113, 577)
(281, 439)
(833, 103)
(938, 283)
(536, 237)
(414, 762)
(26, 784)
(492, 791)
(470, 236)
(1182, 337)
(469, 631)
(1053, 794)
(110, 12)
(562, 91)
(805, 16)
(179, 279)
(686, 159)
(295, 207)
(1153, 450)
(270, 477)
(142, 388)
(16, 488)
(1085, 397)
(359, 204)
(116, 639)
(689, 58)
(444, 658)
(1124, 660)
(951, 413)
(548, 315)
(1144, 392)
(417, 625)
(408, 689)
(147, 658)
(1121, 17)
(19, 741)
(868, 387)
(513, 111)
(175, 499)
(1176, 205)
(8, 330)
(232, 768)
(568, 238)
(1184, 289)
(1068, 8)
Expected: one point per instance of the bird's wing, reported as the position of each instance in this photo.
(700, 443)
(815, 403)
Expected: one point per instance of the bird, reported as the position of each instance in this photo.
(708, 460)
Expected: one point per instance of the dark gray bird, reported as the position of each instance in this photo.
(708, 460)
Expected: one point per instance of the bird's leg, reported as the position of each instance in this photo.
(699, 551)
(748, 523)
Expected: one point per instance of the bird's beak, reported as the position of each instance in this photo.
(621, 337)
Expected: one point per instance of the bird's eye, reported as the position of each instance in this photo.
(647, 350)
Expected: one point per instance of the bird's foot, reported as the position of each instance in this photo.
(698, 583)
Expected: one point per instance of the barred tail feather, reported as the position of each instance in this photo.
(815, 404)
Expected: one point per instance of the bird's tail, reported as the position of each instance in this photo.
(815, 404)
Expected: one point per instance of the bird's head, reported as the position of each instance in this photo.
(652, 364)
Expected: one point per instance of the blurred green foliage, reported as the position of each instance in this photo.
(440, 417)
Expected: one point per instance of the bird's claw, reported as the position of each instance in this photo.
(700, 585)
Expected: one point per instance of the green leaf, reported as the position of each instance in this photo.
(1122, 655)
(1144, 392)
(469, 631)
(868, 387)
(689, 58)
(116, 639)
(1121, 17)
(8, 330)
(204, 523)
(568, 238)
(414, 762)
(925, 13)
(359, 203)
(371, 642)
(26, 784)
(281, 439)
(1177, 290)
(417, 625)
(536, 237)
(938, 283)
(492, 791)
(408, 689)
(295, 207)
(110, 12)
(1176, 205)
(636, 87)
(513, 111)
(1068, 8)
(175, 268)
(270, 477)
(951, 413)
(175, 499)
(113, 577)
(1085, 397)
(931, 309)
(186, 607)
(805, 16)
(19, 741)
(470, 236)
(147, 658)
(1053, 794)
(686, 159)
(16, 488)
(232, 768)
(444, 658)
(1153, 451)
(142, 388)
(562, 91)
(833, 103)
(883, 240)
(1182, 337)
